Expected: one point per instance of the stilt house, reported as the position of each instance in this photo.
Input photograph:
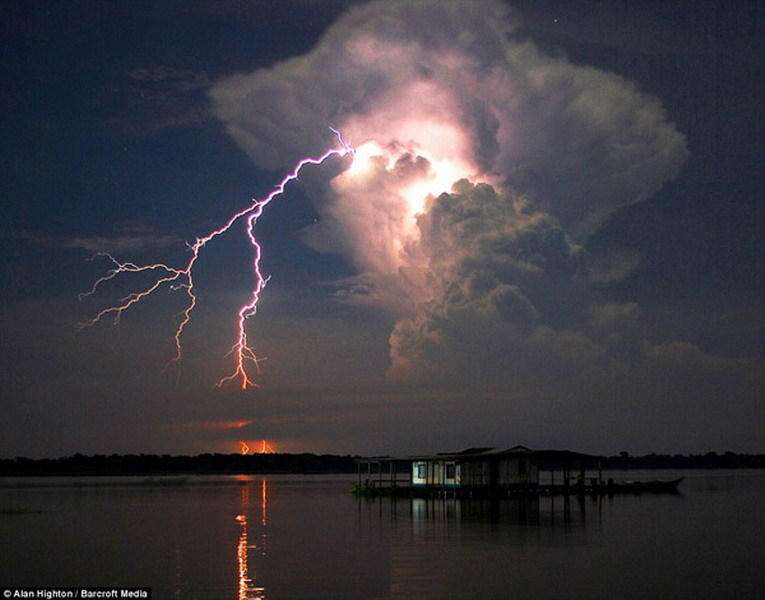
(485, 468)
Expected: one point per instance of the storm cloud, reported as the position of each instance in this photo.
(450, 77)
(438, 92)
(482, 167)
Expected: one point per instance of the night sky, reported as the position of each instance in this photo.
(594, 284)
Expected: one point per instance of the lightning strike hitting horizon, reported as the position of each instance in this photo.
(263, 448)
(266, 448)
(183, 278)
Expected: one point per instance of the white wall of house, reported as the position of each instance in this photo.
(419, 472)
(435, 472)
(511, 470)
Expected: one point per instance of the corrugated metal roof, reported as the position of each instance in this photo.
(466, 451)
(473, 453)
(546, 459)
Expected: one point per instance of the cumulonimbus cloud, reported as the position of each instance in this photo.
(437, 92)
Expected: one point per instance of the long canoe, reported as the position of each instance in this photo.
(655, 486)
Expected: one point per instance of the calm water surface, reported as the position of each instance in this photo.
(307, 537)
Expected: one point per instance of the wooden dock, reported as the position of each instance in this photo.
(402, 489)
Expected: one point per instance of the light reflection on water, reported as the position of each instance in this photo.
(246, 582)
(279, 538)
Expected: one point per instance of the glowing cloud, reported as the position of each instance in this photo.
(439, 91)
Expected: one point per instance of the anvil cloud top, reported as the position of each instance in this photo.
(433, 93)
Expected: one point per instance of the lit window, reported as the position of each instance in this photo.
(450, 471)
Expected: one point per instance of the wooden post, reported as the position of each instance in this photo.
(566, 508)
(552, 509)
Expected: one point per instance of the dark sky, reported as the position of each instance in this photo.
(111, 142)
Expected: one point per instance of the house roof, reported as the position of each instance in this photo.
(473, 453)
(565, 459)
(545, 459)
(466, 452)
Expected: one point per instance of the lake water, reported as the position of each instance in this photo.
(286, 537)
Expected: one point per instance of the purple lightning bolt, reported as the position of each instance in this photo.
(183, 278)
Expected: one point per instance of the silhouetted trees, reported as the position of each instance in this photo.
(710, 460)
(152, 464)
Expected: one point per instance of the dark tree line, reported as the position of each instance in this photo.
(710, 460)
(152, 464)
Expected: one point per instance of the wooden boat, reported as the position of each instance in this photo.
(656, 486)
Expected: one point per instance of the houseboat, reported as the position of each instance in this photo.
(476, 469)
